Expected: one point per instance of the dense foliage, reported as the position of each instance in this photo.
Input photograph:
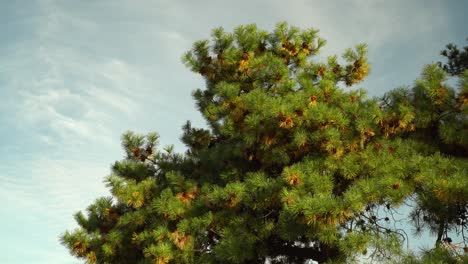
(294, 164)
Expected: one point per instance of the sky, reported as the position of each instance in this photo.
(75, 75)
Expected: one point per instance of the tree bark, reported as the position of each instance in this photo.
(440, 233)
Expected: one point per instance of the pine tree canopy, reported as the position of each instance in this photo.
(294, 165)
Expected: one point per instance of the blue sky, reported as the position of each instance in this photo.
(74, 75)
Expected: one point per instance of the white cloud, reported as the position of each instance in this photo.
(40, 198)
(78, 99)
(68, 90)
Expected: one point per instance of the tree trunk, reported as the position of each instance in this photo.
(440, 233)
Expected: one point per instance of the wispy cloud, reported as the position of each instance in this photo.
(39, 199)
(80, 88)
(68, 107)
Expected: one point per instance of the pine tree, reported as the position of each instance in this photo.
(439, 120)
(293, 165)
(457, 61)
